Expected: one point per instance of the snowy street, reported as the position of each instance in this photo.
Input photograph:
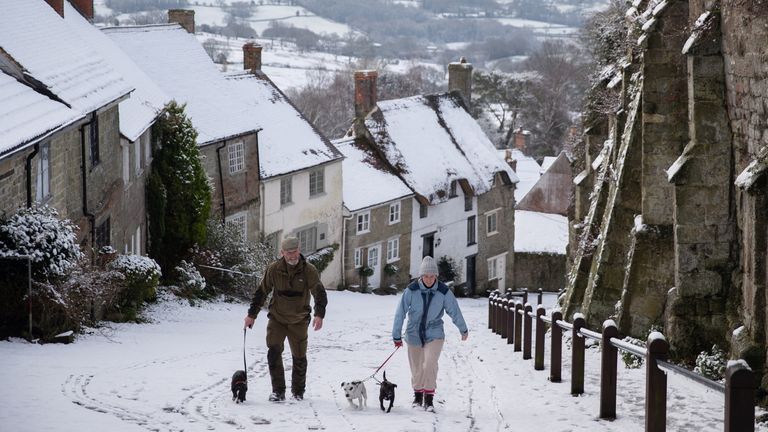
(173, 374)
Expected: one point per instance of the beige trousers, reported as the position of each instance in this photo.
(423, 361)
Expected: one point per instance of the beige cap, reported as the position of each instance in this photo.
(289, 243)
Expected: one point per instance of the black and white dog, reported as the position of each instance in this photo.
(387, 392)
(355, 390)
(239, 386)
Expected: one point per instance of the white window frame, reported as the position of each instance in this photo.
(286, 191)
(358, 257)
(240, 220)
(373, 257)
(492, 215)
(363, 222)
(137, 166)
(126, 164)
(393, 249)
(493, 271)
(236, 153)
(394, 213)
(317, 182)
(43, 189)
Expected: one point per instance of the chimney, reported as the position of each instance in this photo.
(57, 5)
(521, 139)
(460, 78)
(252, 57)
(184, 17)
(85, 7)
(365, 92)
(512, 162)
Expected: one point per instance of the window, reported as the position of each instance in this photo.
(393, 249)
(394, 213)
(307, 239)
(358, 258)
(467, 202)
(423, 211)
(286, 185)
(493, 270)
(94, 138)
(145, 139)
(137, 166)
(43, 189)
(491, 222)
(236, 153)
(452, 193)
(364, 223)
(240, 222)
(126, 164)
(471, 239)
(103, 234)
(373, 257)
(316, 182)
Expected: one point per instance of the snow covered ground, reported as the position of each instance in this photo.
(173, 374)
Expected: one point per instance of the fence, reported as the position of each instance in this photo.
(513, 320)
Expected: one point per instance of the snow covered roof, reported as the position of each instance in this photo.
(527, 170)
(432, 141)
(139, 111)
(288, 142)
(367, 182)
(26, 114)
(39, 40)
(540, 232)
(177, 63)
(548, 161)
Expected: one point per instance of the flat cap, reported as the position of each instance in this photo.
(289, 243)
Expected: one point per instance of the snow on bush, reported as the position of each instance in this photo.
(142, 275)
(630, 360)
(711, 364)
(39, 233)
(189, 279)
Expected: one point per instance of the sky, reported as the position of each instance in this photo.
(173, 373)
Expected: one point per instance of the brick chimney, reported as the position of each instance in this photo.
(252, 57)
(365, 92)
(512, 162)
(521, 138)
(460, 78)
(184, 17)
(57, 5)
(85, 7)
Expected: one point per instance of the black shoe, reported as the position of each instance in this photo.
(298, 396)
(276, 397)
(418, 398)
(428, 405)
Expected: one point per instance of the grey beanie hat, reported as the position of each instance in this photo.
(428, 266)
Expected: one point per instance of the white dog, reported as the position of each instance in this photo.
(355, 390)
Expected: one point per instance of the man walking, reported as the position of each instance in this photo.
(291, 279)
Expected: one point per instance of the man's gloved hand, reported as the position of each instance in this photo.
(398, 343)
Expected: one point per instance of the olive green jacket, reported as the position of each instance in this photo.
(291, 287)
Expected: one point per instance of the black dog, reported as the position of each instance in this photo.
(387, 392)
(239, 386)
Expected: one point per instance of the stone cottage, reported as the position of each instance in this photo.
(462, 210)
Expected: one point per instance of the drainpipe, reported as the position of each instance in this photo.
(344, 247)
(221, 182)
(83, 171)
(28, 168)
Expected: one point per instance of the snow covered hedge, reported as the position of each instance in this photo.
(142, 275)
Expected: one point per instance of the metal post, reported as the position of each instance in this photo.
(518, 327)
(556, 353)
(538, 357)
(608, 371)
(655, 384)
(739, 397)
(541, 296)
(577, 356)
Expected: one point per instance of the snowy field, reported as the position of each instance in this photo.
(173, 374)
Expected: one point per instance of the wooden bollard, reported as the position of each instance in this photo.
(538, 356)
(525, 296)
(655, 384)
(490, 311)
(518, 327)
(608, 371)
(511, 322)
(556, 353)
(503, 318)
(577, 355)
(740, 389)
(541, 296)
(527, 332)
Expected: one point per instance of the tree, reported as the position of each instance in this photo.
(178, 194)
(501, 97)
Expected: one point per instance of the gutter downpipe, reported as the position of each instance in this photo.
(221, 182)
(91, 217)
(28, 168)
(344, 220)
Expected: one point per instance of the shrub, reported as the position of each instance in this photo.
(365, 271)
(630, 360)
(711, 364)
(323, 257)
(142, 275)
(447, 268)
(391, 269)
(191, 283)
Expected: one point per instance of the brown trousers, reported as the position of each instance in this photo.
(297, 340)
(423, 361)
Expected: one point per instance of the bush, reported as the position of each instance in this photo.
(142, 276)
(447, 268)
(711, 364)
(323, 257)
(630, 360)
(191, 283)
(391, 269)
(365, 271)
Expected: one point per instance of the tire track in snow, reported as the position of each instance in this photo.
(489, 383)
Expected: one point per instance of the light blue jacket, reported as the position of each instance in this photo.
(424, 327)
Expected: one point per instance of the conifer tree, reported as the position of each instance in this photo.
(178, 193)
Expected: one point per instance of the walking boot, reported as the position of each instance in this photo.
(428, 405)
(277, 397)
(418, 398)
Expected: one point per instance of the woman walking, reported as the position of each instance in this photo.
(424, 302)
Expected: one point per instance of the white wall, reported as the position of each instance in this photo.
(449, 220)
(323, 210)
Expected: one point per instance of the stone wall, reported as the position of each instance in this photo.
(534, 271)
(500, 196)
